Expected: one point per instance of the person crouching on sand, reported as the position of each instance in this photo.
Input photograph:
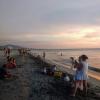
(81, 75)
(13, 61)
(8, 58)
(10, 63)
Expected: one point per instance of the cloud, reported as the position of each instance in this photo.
(50, 21)
(93, 35)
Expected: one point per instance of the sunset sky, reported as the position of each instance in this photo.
(50, 23)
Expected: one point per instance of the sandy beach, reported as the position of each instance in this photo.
(31, 84)
(49, 50)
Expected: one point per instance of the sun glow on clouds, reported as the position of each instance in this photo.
(53, 37)
(81, 33)
(63, 37)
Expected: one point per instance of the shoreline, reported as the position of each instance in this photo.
(67, 67)
(92, 78)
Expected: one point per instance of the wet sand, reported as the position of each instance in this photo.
(31, 84)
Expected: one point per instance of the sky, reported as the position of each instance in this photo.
(50, 23)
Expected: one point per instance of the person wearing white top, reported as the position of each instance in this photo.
(81, 75)
(85, 71)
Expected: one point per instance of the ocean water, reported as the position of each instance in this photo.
(93, 55)
(55, 57)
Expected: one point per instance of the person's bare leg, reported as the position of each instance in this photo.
(85, 86)
(81, 85)
(75, 88)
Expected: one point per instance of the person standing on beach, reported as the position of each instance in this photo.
(81, 75)
(19, 51)
(5, 51)
(85, 71)
(61, 54)
(72, 62)
(8, 51)
(44, 54)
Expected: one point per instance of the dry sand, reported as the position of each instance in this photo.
(30, 84)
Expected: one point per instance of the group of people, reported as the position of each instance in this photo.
(22, 51)
(10, 61)
(52, 71)
(49, 71)
(10, 64)
(81, 74)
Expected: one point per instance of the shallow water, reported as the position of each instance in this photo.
(94, 57)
